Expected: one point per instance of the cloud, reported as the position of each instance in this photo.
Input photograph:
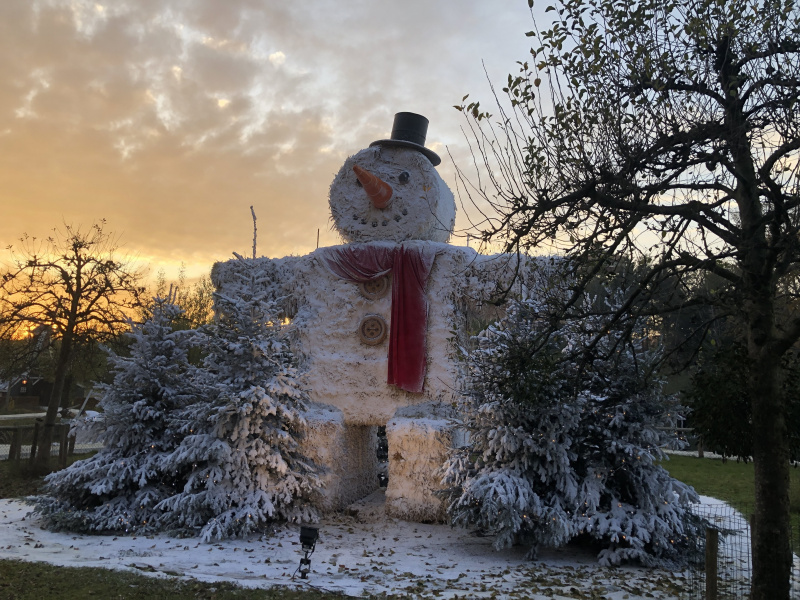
(277, 58)
(171, 117)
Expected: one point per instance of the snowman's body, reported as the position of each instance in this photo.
(339, 369)
(344, 369)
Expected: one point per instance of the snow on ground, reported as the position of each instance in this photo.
(360, 553)
(694, 454)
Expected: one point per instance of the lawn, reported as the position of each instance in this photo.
(34, 581)
(732, 482)
(23, 478)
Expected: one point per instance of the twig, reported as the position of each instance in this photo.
(252, 212)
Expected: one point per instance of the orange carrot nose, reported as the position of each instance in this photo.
(379, 192)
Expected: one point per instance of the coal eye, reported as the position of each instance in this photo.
(404, 177)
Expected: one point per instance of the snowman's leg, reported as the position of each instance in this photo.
(418, 447)
(348, 455)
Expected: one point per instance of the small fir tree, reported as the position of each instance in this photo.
(245, 466)
(213, 451)
(118, 488)
(565, 442)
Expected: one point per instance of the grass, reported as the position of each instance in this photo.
(20, 479)
(16, 481)
(18, 422)
(33, 581)
(732, 482)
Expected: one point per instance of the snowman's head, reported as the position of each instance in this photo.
(391, 191)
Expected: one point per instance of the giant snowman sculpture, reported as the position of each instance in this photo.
(375, 322)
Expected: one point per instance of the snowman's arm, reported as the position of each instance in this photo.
(494, 278)
(497, 278)
(276, 276)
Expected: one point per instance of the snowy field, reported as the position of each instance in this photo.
(363, 552)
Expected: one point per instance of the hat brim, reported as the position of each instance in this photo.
(432, 156)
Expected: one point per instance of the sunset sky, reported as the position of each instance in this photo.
(169, 118)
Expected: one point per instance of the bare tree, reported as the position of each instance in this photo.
(196, 300)
(74, 285)
(667, 134)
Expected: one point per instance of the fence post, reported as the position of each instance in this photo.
(14, 448)
(62, 446)
(34, 441)
(700, 453)
(712, 545)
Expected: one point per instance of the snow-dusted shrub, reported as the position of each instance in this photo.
(239, 451)
(212, 451)
(118, 488)
(565, 441)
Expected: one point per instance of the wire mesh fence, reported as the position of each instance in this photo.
(720, 562)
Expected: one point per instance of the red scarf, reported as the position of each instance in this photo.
(410, 267)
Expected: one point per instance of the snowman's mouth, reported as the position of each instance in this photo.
(382, 220)
(378, 217)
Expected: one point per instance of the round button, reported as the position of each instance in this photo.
(375, 289)
(372, 330)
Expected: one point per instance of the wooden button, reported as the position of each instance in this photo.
(372, 330)
(375, 289)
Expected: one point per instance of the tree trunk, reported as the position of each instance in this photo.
(43, 454)
(67, 388)
(772, 557)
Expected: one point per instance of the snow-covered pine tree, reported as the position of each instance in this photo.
(245, 464)
(118, 488)
(565, 442)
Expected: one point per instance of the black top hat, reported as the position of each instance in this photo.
(409, 130)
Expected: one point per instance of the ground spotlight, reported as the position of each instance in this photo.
(309, 534)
